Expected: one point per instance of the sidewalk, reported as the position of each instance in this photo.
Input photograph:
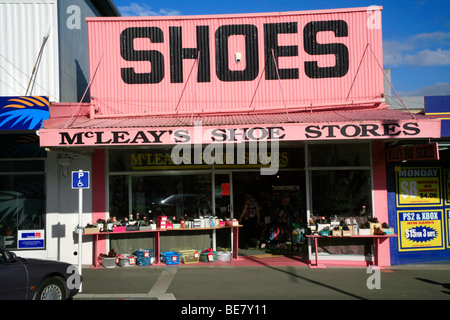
(269, 279)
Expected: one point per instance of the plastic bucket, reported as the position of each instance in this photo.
(108, 262)
(144, 257)
(223, 256)
(171, 257)
(126, 260)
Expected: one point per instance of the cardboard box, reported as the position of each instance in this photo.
(321, 226)
(161, 225)
(119, 229)
(347, 233)
(233, 222)
(364, 232)
(91, 230)
(336, 233)
(373, 225)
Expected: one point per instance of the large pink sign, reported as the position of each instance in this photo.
(199, 134)
(235, 63)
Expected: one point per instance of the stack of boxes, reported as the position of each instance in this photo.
(161, 223)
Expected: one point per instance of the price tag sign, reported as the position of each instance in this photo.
(420, 230)
(418, 187)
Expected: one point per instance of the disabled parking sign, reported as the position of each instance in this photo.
(80, 179)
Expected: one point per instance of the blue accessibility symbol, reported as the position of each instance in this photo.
(80, 180)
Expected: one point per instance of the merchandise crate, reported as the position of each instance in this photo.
(144, 257)
(170, 257)
(204, 257)
(189, 256)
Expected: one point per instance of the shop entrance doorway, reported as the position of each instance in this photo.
(272, 210)
(223, 208)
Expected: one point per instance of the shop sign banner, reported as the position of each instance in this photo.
(420, 230)
(236, 134)
(413, 153)
(418, 186)
(220, 63)
(30, 239)
(23, 113)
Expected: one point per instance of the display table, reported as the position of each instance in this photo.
(157, 232)
(377, 240)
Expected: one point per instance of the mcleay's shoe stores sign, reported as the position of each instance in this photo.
(208, 135)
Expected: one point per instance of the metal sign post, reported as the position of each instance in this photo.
(80, 181)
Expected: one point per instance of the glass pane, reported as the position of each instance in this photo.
(340, 192)
(151, 159)
(20, 146)
(22, 206)
(338, 155)
(118, 195)
(22, 166)
(186, 195)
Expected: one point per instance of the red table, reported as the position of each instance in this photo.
(377, 240)
(97, 265)
(157, 249)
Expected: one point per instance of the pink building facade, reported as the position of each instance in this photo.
(306, 86)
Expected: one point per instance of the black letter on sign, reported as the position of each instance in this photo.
(178, 53)
(271, 31)
(154, 57)
(251, 52)
(340, 29)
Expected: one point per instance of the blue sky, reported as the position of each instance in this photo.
(416, 33)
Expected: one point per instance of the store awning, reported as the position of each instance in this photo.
(380, 123)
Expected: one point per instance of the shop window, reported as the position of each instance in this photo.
(341, 193)
(22, 186)
(169, 195)
(341, 190)
(339, 155)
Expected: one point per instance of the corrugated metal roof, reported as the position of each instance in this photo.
(240, 119)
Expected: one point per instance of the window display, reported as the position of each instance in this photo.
(22, 187)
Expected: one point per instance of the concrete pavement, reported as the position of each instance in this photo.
(207, 282)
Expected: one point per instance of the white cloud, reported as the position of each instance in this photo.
(428, 58)
(437, 89)
(144, 10)
(424, 49)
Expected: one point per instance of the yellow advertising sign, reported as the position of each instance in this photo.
(447, 220)
(420, 230)
(418, 186)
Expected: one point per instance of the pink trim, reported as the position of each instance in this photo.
(380, 196)
(340, 263)
(98, 193)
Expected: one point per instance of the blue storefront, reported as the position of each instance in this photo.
(22, 172)
(419, 193)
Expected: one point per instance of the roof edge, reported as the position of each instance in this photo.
(240, 15)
